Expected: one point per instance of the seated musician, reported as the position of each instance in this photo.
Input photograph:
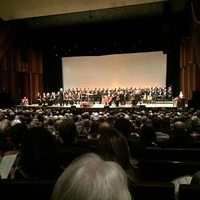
(66, 98)
(38, 99)
(49, 99)
(77, 98)
(24, 101)
(117, 99)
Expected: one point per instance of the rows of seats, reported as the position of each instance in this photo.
(42, 189)
(192, 154)
(169, 163)
(167, 170)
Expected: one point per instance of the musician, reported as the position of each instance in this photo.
(77, 97)
(127, 96)
(71, 98)
(49, 99)
(117, 99)
(61, 97)
(53, 97)
(38, 99)
(135, 98)
(44, 100)
(109, 99)
(169, 92)
(121, 98)
(24, 101)
(66, 98)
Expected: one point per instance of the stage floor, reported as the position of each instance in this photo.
(158, 104)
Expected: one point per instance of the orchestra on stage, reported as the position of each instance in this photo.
(108, 97)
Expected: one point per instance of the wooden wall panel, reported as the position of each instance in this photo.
(39, 62)
(3, 63)
(32, 61)
(36, 85)
(16, 60)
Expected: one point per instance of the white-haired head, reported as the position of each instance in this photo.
(91, 178)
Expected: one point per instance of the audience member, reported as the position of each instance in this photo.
(93, 132)
(148, 135)
(127, 129)
(38, 155)
(195, 179)
(90, 177)
(69, 147)
(16, 134)
(157, 124)
(103, 126)
(180, 138)
(5, 139)
(113, 146)
(166, 125)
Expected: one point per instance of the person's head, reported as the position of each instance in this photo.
(5, 126)
(147, 134)
(179, 129)
(103, 126)
(90, 177)
(94, 128)
(195, 179)
(68, 131)
(157, 122)
(38, 155)
(35, 123)
(113, 146)
(16, 134)
(124, 126)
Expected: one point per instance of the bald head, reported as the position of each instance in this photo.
(103, 126)
(179, 128)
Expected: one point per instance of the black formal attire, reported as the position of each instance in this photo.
(61, 98)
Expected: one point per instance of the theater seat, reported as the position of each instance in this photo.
(26, 189)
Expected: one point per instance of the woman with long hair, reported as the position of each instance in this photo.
(113, 146)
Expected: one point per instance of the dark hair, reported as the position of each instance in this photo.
(147, 134)
(195, 179)
(124, 126)
(16, 134)
(67, 130)
(38, 156)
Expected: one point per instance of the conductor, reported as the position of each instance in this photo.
(61, 97)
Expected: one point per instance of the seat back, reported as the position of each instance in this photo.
(26, 189)
(182, 153)
(152, 190)
(187, 192)
(167, 170)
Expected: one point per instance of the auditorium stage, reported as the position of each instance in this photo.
(99, 107)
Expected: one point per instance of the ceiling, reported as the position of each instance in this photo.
(53, 13)
(74, 26)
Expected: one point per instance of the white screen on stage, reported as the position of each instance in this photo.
(113, 71)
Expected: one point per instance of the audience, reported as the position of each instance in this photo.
(90, 177)
(65, 126)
